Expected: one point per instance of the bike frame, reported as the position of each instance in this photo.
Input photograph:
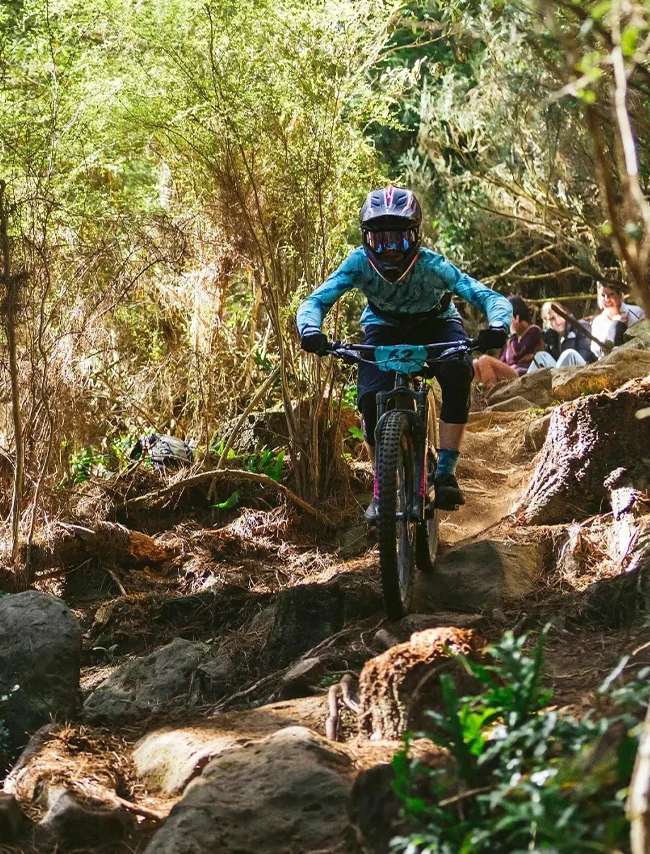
(418, 417)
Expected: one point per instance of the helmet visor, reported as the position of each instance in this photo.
(387, 241)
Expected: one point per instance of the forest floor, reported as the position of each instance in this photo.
(221, 590)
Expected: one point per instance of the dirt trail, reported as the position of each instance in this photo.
(494, 469)
(238, 586)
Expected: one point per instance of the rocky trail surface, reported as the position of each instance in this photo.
(191, 683)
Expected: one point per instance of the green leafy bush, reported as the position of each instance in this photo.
(523, 777)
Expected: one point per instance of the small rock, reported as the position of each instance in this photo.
(12, 818)
(217, 674)
(73, 824)
(287, 792)
(300, 679)
(536, 432)
(384, 639)
(353, 541)
(149, 684)
(512, 404)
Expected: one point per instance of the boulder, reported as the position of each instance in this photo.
(611, 372)
(287, 792)
(397, 687)
(304, 616)
(149, 684)
(486, 573)
(535, 387)
(167, 759)
(40, 648)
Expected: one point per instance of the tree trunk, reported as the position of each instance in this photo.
(587, 441)
(398, 686)
(9, 313)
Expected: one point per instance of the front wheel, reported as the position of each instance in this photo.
(396, 531)
(426, 542)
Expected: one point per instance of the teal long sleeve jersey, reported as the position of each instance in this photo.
(421, 292)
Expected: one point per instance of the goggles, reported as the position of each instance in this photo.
(396, 241)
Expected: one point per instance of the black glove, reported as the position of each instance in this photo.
(314, 342)
(493, 338)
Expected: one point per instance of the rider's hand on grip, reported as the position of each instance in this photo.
(493, 338)
(314, 342)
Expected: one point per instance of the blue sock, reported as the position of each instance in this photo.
(447, 461)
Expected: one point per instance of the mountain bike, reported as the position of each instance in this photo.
(406, 462)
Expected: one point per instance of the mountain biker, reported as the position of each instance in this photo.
(409, 290)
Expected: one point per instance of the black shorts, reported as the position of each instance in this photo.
(455, 376)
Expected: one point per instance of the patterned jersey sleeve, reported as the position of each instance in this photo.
(495, 306)
(313, 308)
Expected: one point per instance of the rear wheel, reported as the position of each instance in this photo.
(426, 541)
(396, 532)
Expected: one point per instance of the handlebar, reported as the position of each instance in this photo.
(352, 353)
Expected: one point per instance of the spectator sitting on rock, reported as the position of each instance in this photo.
(525, 341)
(566, 345)
(615, 317)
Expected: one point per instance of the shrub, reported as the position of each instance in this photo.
(524, 777)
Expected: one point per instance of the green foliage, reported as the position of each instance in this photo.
(523, 777)
(267, 461)
(90, 462)
(229, 503)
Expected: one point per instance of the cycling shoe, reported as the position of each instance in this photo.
(449, 496)
(372, 512)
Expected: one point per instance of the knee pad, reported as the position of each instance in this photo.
(455, 378)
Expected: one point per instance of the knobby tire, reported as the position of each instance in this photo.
(426, 541)
(396, 537)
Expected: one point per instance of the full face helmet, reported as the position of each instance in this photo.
(390, 224)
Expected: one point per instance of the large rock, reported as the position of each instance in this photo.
(304, 616)
(169, 676)
(397, 687)
(288, 792)
(40, 648)
(617, 368)
(486, 573)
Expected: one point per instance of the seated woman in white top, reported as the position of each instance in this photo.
(615, 317)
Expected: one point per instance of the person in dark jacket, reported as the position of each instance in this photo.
(566, 345)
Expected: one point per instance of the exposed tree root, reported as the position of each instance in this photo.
(222, 474)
